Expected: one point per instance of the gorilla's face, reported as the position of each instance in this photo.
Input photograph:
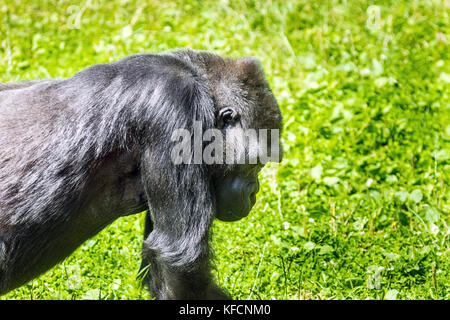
(244, 108)
(235, 196)
(237, 185)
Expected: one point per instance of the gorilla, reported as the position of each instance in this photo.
(78, 153)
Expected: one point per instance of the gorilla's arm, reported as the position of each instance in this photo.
(181, 210)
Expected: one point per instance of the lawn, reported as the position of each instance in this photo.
(358, 209)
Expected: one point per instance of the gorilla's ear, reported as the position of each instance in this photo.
(248, 69)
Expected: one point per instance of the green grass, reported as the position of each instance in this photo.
(362, 199)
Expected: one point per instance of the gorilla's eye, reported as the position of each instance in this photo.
(227, 116)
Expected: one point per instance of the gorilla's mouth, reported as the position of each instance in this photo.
(236, 196)
(252, 190)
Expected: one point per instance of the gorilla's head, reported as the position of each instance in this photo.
(243, 105)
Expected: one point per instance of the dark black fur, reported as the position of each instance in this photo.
(77, 153)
